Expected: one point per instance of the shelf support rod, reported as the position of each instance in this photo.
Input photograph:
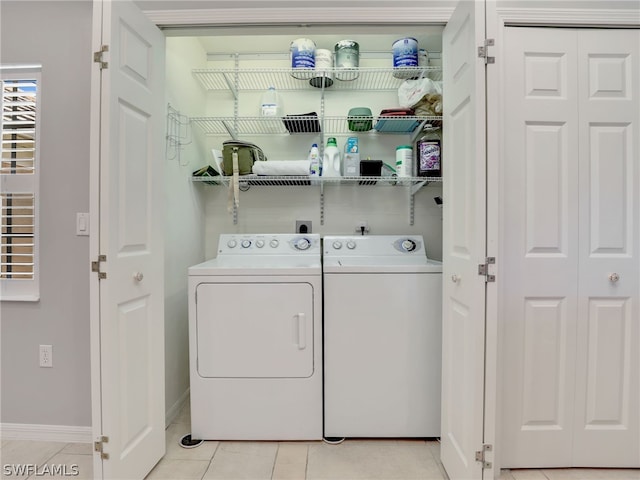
(231, 86)
(321, 202)
(413, 189)
(233, 131)
(235, 94)
(412, 206)
(417, 186)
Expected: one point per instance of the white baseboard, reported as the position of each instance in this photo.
(45, 433)
(176, 408)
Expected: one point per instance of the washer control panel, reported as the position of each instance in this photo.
(373, 245)
(268, 244)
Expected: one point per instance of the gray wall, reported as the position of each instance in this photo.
(57, 35)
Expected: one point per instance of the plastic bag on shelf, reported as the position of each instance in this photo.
(423, 95)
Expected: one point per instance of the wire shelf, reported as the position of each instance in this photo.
(302, 124)
(302, 180)
(298, 79)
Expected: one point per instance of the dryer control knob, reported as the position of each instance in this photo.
(232, 244)
(408, 245)
(246, 243)
(259, 243)
(302, 244)
(351, 244)
(274, 243)
(337, 245)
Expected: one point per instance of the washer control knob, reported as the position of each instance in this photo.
(274, 243)
(259, 243)
(408, 245)
(245, 243)
(351, 244)
(302, 243)
(232, 244)
(337, 245)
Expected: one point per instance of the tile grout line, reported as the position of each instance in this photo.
(306, 463)
(275, 460)
(64, 445)
(210, 461)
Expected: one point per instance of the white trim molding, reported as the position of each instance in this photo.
(177, 407)
(570, 17)
(45, 433)
(299, 15)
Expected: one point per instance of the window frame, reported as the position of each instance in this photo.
(20, 289)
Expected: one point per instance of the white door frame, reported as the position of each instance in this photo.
(499, 17)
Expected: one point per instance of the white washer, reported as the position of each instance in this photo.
(382, 337)
(255, 338)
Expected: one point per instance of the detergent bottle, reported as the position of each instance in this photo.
(314, 161)
(331, 159)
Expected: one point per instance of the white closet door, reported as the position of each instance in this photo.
(570, 193)
(128, 335)
(464, 242)
(607, 410)
(540, 254)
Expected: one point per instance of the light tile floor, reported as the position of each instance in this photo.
(351, 460)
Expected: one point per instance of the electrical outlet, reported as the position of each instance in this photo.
(362, 227)
(46, 356)
(303, 226)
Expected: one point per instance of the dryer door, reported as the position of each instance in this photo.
(255, 330)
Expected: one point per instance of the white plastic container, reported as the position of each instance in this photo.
(405, 52)
(404, 160)
(323, 76)
(314, 161)
(331, 159)
(303, 57)
(351, 159)
(271, 103)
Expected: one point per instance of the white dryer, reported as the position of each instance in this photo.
(382, 337)
(255, 339)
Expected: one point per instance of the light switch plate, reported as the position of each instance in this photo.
(82, 224)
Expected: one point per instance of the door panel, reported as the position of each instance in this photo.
(464, 242)
(607, 415)
(131, 297)
(540, 247)
(570, 220)
(545, 357)
(255, 330)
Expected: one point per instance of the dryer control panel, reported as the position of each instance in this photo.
(269, 244)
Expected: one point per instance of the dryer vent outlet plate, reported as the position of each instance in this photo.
(303, 226)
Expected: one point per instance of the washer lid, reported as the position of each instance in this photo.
(380, 265)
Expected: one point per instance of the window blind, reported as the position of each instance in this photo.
(18, 187)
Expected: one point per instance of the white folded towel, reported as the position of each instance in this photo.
(282, 167)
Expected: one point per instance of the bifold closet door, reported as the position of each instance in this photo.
(570, 249)
(607, 407)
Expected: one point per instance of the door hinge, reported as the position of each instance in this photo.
(95, 267)
(98, 57)
(483, 269)
(98, 447)
(480, 455)
(483, 51)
